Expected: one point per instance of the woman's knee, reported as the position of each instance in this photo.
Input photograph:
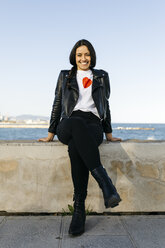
(63, 132)
(66, 128)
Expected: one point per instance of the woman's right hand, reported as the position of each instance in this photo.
(47, 139)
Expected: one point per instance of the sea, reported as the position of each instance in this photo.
(149, 131)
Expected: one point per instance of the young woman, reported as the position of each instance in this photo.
(80, 114)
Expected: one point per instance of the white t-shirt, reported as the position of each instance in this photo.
(85, 101)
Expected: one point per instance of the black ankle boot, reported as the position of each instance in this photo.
(111, 197)
(77, 225)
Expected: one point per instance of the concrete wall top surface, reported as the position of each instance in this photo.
(57, 142)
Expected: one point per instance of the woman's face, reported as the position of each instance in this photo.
(83, 58)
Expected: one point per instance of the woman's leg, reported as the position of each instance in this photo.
(80, 174)
(79, 171)
(86, 144)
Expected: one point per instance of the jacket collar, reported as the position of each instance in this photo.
(97, 73)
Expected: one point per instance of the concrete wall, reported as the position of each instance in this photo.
(35, 176)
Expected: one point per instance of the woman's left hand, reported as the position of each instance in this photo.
(110, 138)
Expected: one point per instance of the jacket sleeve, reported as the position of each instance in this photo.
(57, 104)
(106, 123)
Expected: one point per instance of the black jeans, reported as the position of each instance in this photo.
(83, 133)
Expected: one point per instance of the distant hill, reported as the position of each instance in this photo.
(31, 117)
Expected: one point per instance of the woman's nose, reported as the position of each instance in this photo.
(83, 57)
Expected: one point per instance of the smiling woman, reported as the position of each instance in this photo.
(83, 58)
(80, 115)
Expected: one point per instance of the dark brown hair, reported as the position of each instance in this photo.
(72, 57)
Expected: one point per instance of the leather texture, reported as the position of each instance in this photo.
(67, 97)
(110, 194)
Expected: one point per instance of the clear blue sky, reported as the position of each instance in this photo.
(36, 37)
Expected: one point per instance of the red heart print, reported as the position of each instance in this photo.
(86, 82)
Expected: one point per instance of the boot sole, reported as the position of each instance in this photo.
(76, 234)
(112, 202)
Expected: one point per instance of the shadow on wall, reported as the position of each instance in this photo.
(138, 171)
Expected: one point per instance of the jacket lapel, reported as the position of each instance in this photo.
(96, 83)
(73, 83)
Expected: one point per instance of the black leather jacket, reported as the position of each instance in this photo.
(66, 98)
